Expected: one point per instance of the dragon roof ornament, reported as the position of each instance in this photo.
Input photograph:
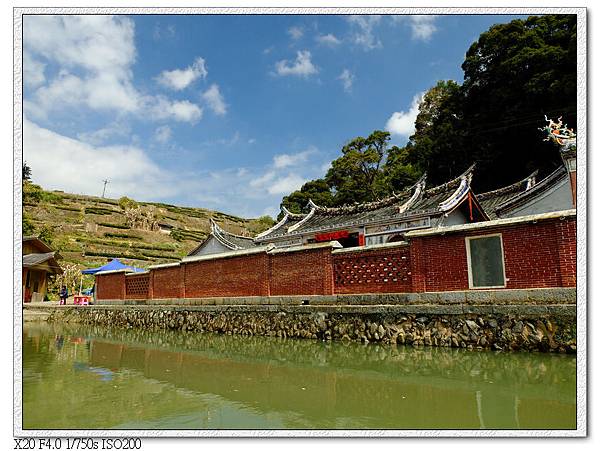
(558, 132)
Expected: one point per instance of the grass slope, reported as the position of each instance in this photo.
(88, 230)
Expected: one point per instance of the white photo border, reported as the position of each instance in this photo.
(581, 408)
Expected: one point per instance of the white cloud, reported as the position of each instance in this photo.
(162, 108)
(97, 137)
(163, 134)
(285, 160)
(403, 122)
(286, 184)
(179, 79)
(33, 71)
(422, 27)
(263, 180)
(347, 79)
(98, 43)
(301, 67)
(95, 54)
(295, 32)
(59, 162)
(328, 39)
(213, 97)
(277, 180)
(363, 35)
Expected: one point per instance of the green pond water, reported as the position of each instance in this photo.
(97, 378)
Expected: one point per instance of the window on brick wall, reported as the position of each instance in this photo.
(485, 259)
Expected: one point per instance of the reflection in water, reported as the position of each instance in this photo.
(95, 377)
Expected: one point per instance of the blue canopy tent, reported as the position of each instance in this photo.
(113, 265)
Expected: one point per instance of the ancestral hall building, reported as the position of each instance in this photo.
(424, 240)
(419, 207)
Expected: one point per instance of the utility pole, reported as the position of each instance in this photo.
(104, 189)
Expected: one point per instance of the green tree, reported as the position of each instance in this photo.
(28, 227)
(26, 173)
(398, 172)
(513, 75)
(437, 146)
(261, 224)
(317, 190)
(46, 235)
(126, 203)
(357, 175)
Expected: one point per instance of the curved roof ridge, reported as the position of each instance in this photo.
(306, 218)
(507, 189)
(419, 189)
(365, 206)
(292, 215)
(221, 235)
(451, 183)
(286, 215)
(223, 231)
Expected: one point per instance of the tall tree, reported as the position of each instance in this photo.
(437, 146)
(398, 172)
(356, 176)
(514, 74)
(367, 170)
(26, 173)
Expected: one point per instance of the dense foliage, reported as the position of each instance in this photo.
(514, 74)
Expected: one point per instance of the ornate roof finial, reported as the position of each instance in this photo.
(557, 132)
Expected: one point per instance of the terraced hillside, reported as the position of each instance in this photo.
(89, 231)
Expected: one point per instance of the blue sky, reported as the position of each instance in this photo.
(222, 112)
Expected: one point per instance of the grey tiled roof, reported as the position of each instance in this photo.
(239, 241)
(227, 239)
(537, 189)
(492, 199)
(327, 219)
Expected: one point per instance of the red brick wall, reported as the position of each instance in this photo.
(538, 255)
(110, 286)
(302, 272)
(375, 271)
(235, 276)
(566, 234)
(440, 263)
(136, 286)
(531, 256)
(167, 282)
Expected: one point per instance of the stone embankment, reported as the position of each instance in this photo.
(549, 328)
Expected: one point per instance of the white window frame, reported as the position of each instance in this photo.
(470, 269)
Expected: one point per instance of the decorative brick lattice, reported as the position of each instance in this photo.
(136, 287)
(373, 272)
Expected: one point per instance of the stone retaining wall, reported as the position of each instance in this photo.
(550, 327)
